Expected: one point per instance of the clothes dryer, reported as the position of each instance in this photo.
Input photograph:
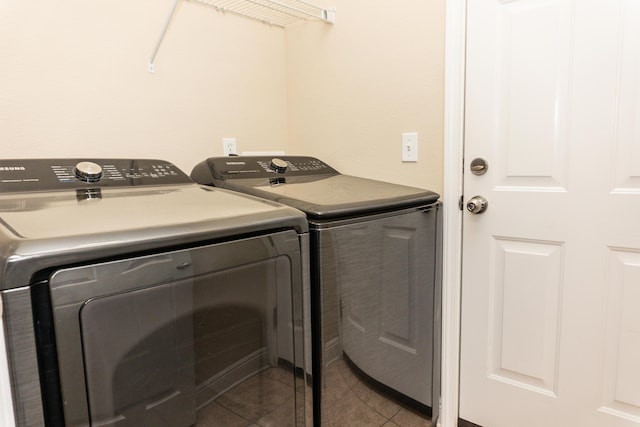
(375, 275)
(132, 296)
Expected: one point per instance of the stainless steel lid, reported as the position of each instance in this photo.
(308, 184)
(40, 229)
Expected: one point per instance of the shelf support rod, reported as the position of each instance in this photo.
(151, 67)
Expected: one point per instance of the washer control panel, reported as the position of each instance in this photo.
(23, 175)
(263, 167)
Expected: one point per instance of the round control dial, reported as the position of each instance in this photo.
(278, 165)
(88, 171)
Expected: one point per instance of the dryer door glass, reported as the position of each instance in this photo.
(202, 337)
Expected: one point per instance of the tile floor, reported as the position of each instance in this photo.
(354, 403)
(265, 400)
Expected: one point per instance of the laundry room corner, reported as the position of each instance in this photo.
(353, 88)
(267, 288)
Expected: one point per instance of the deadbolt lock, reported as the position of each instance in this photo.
(479, 166)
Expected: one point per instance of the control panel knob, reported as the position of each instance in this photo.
(278, 165)
(88, 171)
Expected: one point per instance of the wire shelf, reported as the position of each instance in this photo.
(274, 12)
(279, 13)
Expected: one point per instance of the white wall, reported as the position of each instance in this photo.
(74, 81)
(356, 87)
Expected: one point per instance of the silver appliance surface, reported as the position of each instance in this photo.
(47, 225)
(310, 185)
(376, 275)
(96, 254)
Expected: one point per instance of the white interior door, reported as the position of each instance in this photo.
(551, 271)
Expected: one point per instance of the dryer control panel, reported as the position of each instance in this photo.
(23, 175)
(257, 167)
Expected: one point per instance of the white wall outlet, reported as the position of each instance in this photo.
(410, 147)
(229, 146)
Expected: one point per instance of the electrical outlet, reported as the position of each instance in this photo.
(229, 146)
(410, 147)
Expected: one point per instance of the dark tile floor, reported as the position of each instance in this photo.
(265, 400)
(355, 403)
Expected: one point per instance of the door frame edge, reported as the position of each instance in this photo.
(454, 105)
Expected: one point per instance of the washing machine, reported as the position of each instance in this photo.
(133, 297)
(375, 276)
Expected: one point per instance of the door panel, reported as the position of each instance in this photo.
(621, 373)
(627, 109)
(550, 270)
(526, 291)
(533, 117)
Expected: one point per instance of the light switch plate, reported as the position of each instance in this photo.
(410, 147)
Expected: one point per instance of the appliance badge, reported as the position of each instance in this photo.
(11, 168)
(235, 163)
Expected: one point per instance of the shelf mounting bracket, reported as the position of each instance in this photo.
(151, 67)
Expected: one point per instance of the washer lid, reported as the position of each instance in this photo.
(308, 184)
(149, 211)
(336, 195)
(66, 219)
(45, 230)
